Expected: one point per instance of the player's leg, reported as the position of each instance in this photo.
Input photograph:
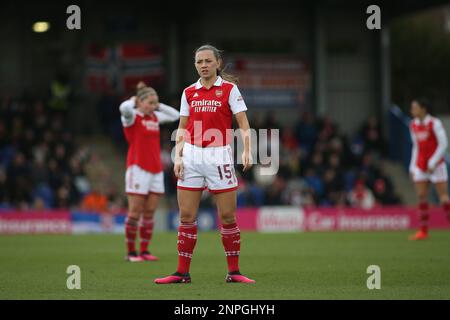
(188, 202)
(423, 210)
(136, 187)
(135, 209)
(156, 190)
(146, 226)
(231, 235)
(222, 182)
(189, 193)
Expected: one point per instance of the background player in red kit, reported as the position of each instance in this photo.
(206, 162)
(427, 161)
(144, 178)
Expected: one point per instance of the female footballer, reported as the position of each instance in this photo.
(141, 116)
(427, 161)
(204, 160)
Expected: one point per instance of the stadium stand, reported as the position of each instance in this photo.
(42, 167)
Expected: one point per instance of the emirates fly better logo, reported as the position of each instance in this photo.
(205, 105)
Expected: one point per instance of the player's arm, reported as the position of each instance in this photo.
(166, 113)
(128, 112)
(441, 136)
(178, 168)
(238, 107)
(414, 152)
(181, 134)
(244, 126)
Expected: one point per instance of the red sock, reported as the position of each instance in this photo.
(446, 207)
(231, 240)
(131, 226)
(145, 233)
(187, 238)
(423, 217)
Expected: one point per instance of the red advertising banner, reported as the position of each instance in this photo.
(282, 218)
(30, 222)
(294, 219)
(246, 218)
(383, 218)
(264, 219)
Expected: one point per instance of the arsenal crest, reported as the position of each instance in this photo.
(219, 93)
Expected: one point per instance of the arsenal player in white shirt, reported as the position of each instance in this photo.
(427, 161)
(203, 160)
(144, 178)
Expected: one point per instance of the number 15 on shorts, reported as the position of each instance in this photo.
(226, 171)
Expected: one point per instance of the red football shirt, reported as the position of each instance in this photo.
(210, 112)
(144, 144)
(143, 135)
(429, 142)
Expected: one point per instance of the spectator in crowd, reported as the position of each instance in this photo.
(273, 196)
(306, 131)
(59, 95)
(4, 193)
(383, 189)
(249, 194)
(333, 188)
(95, 201)
(372, 136)
(20, 185)
(361, 196)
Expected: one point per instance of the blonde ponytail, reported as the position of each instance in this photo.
(142, 91)
(140, 85)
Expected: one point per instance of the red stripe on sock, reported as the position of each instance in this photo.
(231, 240)
(424, 216)
(145, 233)
(187, 238)
(131, 233)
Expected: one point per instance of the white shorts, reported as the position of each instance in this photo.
(139, 181)
(209, 168)
(439, 174)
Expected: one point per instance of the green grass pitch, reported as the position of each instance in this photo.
(319, 265)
